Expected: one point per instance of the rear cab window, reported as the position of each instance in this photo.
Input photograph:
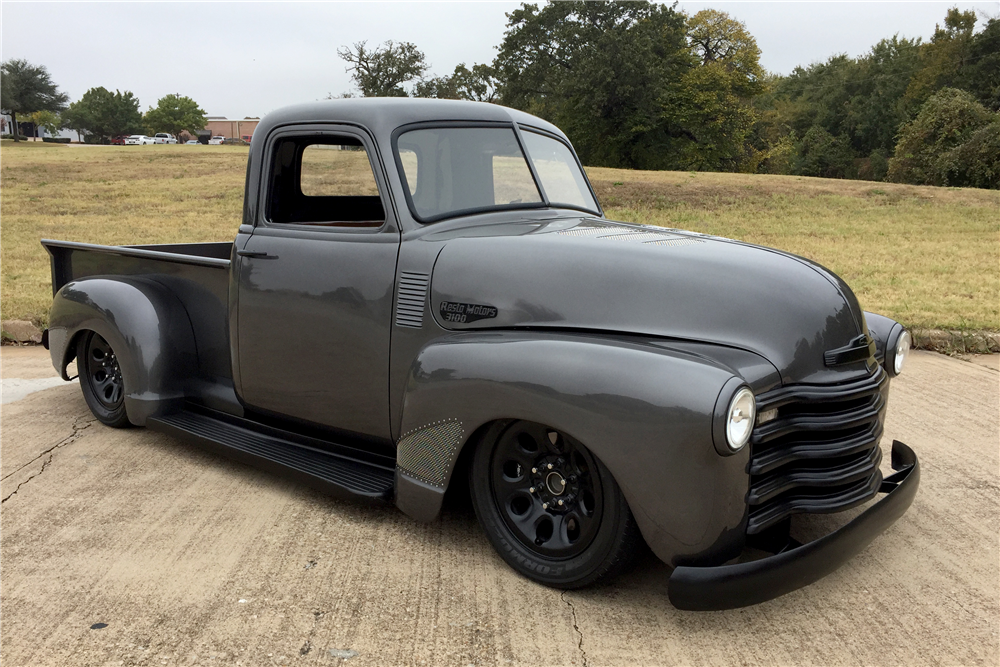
(324, 180)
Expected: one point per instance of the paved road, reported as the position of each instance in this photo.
(193, 560)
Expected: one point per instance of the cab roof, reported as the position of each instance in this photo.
(382, 115)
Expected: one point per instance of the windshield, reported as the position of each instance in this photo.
(559, 172)
(450, 171)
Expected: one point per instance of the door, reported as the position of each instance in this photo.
(316, 284)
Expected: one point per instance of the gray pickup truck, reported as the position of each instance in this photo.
(423, 292)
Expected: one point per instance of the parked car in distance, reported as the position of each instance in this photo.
(119, 140)
(192, 142)
(216, 141)
(164, 138)
(139, 140)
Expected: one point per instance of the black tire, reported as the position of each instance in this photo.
(101, 380)
(520, 471)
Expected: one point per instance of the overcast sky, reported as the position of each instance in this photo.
(245, 59)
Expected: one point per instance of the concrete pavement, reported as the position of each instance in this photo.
(129, 547)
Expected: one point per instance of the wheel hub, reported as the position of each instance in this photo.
(104, 372)
(546, 487)
(555, 483)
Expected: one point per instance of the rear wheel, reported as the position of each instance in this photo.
(551, 509)
(101, 380)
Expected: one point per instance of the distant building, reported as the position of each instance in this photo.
(221, 126)
(26, 129)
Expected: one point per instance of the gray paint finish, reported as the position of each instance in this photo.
(618, 335)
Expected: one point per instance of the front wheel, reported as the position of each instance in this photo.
(101, 380)
(550, 508)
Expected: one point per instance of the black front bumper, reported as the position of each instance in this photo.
(744, 584)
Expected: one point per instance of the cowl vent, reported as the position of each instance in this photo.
(411, 298)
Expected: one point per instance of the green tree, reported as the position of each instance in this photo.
(981, 73)
(103, 114)
(858, 101)
(711, 111)
(478, 84)
(48, 121)
(975, 163)
(382, 71)
(74, 118)
(816, 95)
(926, 151)
(819, 153)
(716, 37)
(27, 88)
(877, 87)
(600, 71)
(173, 114)
(943, 57)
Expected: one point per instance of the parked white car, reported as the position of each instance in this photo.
(139, 140)
(216, 141)
(164, 138)
(192, 142)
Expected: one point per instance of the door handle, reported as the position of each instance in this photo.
(257, 255)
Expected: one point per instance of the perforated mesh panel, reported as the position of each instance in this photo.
(586, 231)
(678, 241)
(427, 452)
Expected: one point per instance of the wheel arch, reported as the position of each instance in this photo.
(147, 327)
(644, 411)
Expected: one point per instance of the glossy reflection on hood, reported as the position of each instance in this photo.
(591, 274)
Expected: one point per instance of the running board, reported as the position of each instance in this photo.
(334, 474)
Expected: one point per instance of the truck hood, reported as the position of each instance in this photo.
(591, 274)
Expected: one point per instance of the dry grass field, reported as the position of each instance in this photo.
(929, 257)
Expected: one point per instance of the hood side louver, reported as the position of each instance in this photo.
(411, 298)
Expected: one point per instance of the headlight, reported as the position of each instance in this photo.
(734, 417)
(897, 349)
(902, 351)
(739, 424)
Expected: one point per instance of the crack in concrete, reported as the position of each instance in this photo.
(81, 424)
(308, 645)
(576, 628)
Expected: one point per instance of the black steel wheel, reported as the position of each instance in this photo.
(549, 506)
(101, 379)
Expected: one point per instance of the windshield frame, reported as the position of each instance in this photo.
(543, 204)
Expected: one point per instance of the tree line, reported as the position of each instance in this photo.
(99, 114)
(643, 86)
(640, 85)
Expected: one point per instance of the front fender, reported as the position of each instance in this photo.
(645, 411)
(146, 326)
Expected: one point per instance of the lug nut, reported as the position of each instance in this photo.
(560, 503)
(531, 490)
(545, 506)
(534, 470)
(550, 466)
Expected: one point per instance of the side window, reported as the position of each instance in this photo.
(323, 180)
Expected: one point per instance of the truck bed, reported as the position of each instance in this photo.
(72, 261)
(196, 273)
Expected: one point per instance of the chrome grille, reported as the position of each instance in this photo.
(821, 453)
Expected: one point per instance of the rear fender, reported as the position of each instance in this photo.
(146, 326)
(645, 411)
